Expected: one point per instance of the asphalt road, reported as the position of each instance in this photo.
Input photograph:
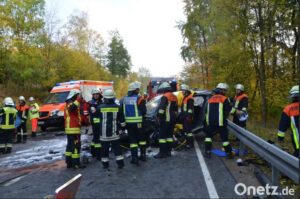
(31, 172)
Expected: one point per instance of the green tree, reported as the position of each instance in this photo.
(118, 59)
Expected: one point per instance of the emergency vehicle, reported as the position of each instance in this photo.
(51, 113)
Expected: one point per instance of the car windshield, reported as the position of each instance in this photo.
(152, 105)
(55, 98)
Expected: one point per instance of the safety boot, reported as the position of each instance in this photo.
(160, 155)
(134, 160)
(105, 165)
(120, 164)
(143, 154)
(33, 134)
(207, 154)
(80, 166)
(229, 155)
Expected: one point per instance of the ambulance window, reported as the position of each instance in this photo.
(55, 98)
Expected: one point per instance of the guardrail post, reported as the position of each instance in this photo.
(242, 148)
(275, 176)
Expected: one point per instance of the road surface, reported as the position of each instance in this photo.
(32, 172)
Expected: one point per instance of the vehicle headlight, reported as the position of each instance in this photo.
(54, 112)
(60, 113)
(153, 105)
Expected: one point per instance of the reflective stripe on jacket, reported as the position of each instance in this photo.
(33, 111)
(131, 110)
(23, 112)
(111, 120)
(8, 115)
(188, 104)
(289, 118)
(217, 110)
(240, 102)
(167, 110)
(72, 117)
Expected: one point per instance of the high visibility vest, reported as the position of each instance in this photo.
(72, 118)
(215, 110)
(131, 111)
(8, 115)
(292, 111)
(170, 111)
(185, 103)
(236, 104)
(23, 111)
(33, 111)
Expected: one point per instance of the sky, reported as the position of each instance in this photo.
(148, 28)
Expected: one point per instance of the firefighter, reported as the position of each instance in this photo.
(167, 114)
(112, 120)
(290, 118)
(239, 106)
(8, 115)
(73, 129)
(186, 114)
(217, 111)
(95, 122)
(146, 97)
(134, 108)
(33, 115)
(23, 114)
(84, 114)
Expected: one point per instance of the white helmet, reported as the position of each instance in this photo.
(294, 92)
(223, 86)
(134, 85)
(8, 101)
(22, 98)
(96, 91)
(164, 85)
(239, 87)
(109, 94)
(184, 87)
(73, 93)
(31, 99)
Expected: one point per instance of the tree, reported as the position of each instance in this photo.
(248, 42)
(144, 76)
(118, 59)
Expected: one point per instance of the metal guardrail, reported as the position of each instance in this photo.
(279, 159)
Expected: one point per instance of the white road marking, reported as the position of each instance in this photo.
(212, 192)
(13, 181)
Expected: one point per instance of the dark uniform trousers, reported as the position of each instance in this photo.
(73, 149)
(166, 131)
(6, 138)
(115, 145)
(96, 145)
(136, 137)
(210, 131)
(23, 128)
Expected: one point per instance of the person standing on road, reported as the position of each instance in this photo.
(217, 111)
(73, 129)
(23, 111)
(95, 122)
(84, 113)
(112, 120)
(33, 115)
(186, 114)
(134, 108)
(8, 115)
(167, 114)
(239, 106)
(290, 118)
